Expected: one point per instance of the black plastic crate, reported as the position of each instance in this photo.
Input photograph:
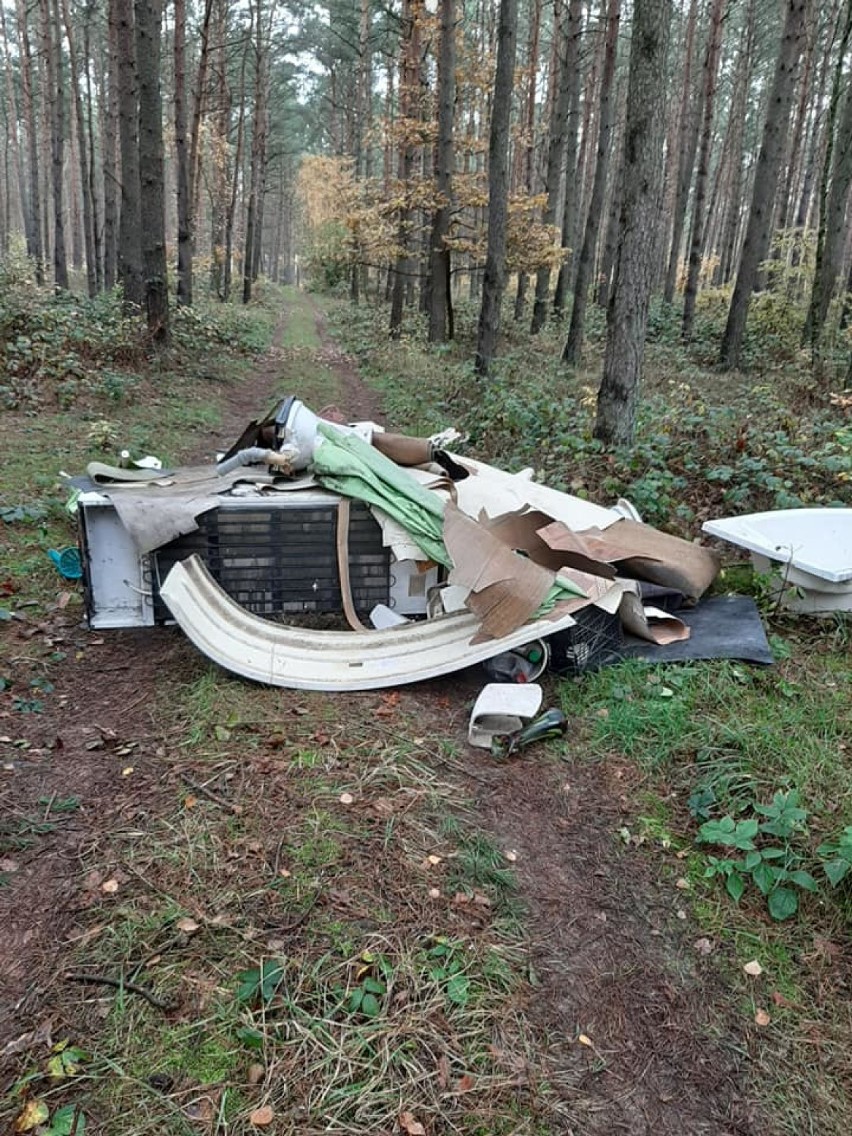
(282, 561)
(594, 641)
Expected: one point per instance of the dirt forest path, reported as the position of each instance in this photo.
(621, 1002)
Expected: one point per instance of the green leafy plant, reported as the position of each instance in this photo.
(260, 983)
(446, 967)
(774, 869)
(372, 976)
(836, 856)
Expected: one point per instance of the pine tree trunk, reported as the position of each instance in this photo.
(51, 39)
(494, 281)
(758, 232)
(149, 21)
(440, 298)
(687, 145)
(254, 213)
(834, 194)
(573, 350)
(573, 176)
(12, 115)
(696, 241)
(569, 49)
(528, 153)
(734, 144)
(83, 156)
(184, 192)
(111, 131)
(636, 258)
(35, 242)
(97, 251)
(404, 266)
(130, 217)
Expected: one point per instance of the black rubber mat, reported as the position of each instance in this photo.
(721, 627)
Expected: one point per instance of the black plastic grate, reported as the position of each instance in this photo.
(277, 561)
(595, 640)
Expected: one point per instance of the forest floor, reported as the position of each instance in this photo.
(226, 908)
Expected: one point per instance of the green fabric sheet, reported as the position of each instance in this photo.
(353, 468)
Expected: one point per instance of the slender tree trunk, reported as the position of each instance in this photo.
(610, 244)
(35, 242)
(636, 259)
(111, 134)
(569, 49)
(494, 280)
(236, 171)
(409, 77)
(12, 112)
(258, 157)
(51, 25)
(734, 142)
(440, 306)
(573, 350)
(184, 194)
(97, 254)
(200, 89)
(130, 272)
(88, 211)
(834, 195)
(758, 232)
(573, 175)
(149, 26)
(696, 242)
(687, 144)
(529, 135)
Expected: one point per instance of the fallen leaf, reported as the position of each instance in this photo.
(261, 1116)
(346, 798)
(753, 969)
(465, 1084)
(34, 1113)
(780, 1001)
(187, 925)
(584, 1039)
(761, 1018)
(110, 886)
(408, 1123)
(703, 946)
(255, 1073)
(285, 873)
(29, 1040)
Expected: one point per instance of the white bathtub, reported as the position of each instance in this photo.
(808, 550)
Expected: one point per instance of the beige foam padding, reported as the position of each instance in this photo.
(661, 558)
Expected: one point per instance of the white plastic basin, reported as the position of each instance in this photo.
(816, 541)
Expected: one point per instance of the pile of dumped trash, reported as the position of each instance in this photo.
(509, 570)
